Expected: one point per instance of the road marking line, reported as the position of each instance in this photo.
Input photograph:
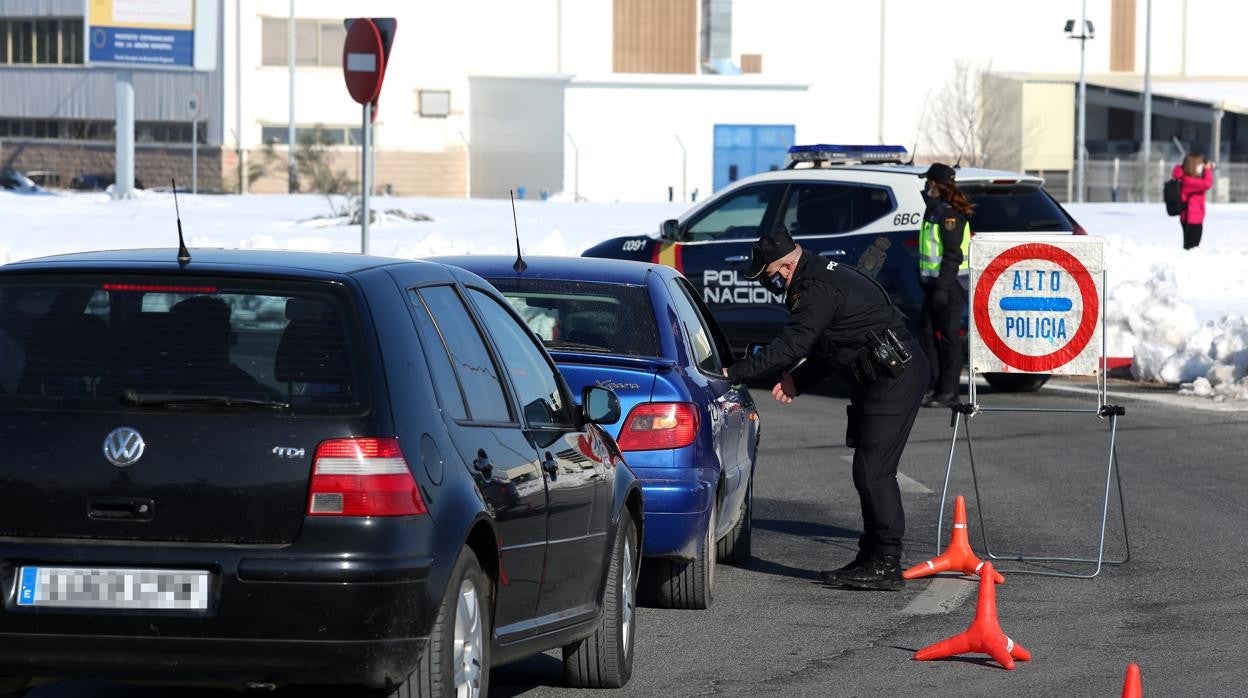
(942, 595)
(911, 486)
(1172, 399)
(905, 483)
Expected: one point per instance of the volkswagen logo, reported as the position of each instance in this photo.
(123, 446)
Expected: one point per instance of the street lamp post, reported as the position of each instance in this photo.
(1146, 142)
(1085, 32)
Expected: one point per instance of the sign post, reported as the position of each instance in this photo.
(193, 105)
(364, 56)
(1038, 306)
(129, 35)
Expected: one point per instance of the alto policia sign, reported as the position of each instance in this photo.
(1037, 304)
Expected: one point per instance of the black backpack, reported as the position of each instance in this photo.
(1172, 194)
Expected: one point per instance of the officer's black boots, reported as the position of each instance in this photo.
(834, 576)
(880, 572)
(941, 400)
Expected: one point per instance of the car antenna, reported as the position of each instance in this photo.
(184, 255)
(919, 129)
(520, 264)
(966, 142)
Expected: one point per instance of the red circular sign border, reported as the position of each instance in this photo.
(1087, 289)
(374, 45)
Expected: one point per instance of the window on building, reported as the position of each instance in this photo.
(435, 103)
(87, 130)
(319, 133)
(317, 42)
(331, 41)
(40, 41)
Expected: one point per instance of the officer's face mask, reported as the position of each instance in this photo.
(775, 282)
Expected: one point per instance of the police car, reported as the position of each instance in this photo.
(856, 204)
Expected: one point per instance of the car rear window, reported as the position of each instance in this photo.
(185, 344)
(1014, 209)
(585, 316)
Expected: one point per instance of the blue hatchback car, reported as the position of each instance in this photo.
(691, 437)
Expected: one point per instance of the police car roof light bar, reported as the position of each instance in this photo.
(842, 154)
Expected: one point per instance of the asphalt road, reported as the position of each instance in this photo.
(1178, 607)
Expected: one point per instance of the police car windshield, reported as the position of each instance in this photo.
(585, 316)
(1014, 208)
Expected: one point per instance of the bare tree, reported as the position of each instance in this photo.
(975, 118)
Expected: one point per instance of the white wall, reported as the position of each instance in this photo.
(1215, 35)
(626, 130)
(518, 135)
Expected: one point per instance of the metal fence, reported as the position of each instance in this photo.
(1124, 179)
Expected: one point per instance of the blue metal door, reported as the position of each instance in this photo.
(743, 150)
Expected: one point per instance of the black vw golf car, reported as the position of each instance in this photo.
(268, 468)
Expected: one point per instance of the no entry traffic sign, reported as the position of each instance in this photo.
(1036, 304)
(363, 60)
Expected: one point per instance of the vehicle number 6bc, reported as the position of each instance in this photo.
(907, 219)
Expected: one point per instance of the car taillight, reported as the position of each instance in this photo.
(655, 425)
(1079, 230)
(362, 477)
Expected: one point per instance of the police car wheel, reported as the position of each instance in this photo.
(1016, 382)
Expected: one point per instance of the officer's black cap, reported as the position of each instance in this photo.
(940, 172)
(767, 249)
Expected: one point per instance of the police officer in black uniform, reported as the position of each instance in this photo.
(840, 319)
(944, 272)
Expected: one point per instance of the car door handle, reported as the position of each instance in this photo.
(834, 253)
(737, 259)
(483, 464)
(550, 466)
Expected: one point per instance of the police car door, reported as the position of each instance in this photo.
(832, 219)
(716, 252)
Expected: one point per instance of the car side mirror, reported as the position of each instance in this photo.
(753, 348)
(600, 405)
(669, 229)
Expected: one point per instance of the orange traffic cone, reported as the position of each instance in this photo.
(1131, 686)
(958, 556)
(984, 635)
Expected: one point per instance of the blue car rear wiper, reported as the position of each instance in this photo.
(574, 346)
(179, 402)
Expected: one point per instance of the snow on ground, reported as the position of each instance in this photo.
(1181, 315)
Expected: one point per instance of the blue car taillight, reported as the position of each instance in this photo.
(659, 425)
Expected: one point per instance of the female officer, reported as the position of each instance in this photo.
(944, 271)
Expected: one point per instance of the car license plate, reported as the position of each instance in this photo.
(133, 589)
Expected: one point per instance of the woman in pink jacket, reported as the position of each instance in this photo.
(1196, 173)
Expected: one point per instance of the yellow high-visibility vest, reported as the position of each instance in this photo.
(932, 248)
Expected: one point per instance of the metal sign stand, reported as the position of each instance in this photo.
(1103, 411)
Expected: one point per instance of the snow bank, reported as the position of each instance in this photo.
(1169, 344)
